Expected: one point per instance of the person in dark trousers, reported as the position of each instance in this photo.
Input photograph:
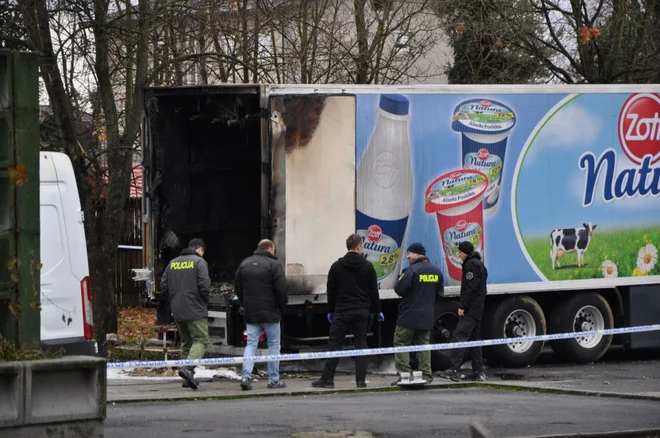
(186, 283)
(262, 290)
(419, 286)
(352, 290)
(470, 312)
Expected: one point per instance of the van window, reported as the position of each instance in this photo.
(52, 253)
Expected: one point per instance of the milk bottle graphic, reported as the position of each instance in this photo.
(384, 189)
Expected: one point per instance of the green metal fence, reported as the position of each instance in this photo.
(19, 198)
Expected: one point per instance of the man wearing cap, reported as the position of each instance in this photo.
(419, 286)
(473, 298)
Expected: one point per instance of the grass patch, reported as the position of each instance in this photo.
(9, 352)
(620, 247)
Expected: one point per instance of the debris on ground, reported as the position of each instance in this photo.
(153, 372)
(222, 288)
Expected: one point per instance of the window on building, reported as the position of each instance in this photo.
(265, 46)
(401, 41)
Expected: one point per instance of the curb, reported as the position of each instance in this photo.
(453, 385)
(311, 391)
(621, 433)
(583, 392)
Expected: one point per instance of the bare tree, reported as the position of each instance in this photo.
(595, 41)
(484, 50)
(102, 172)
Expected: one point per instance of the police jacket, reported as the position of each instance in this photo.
(473, 286)
(419, 286)
(352, 285)
(186, 283)
(261, 288)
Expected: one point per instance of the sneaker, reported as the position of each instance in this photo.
(467, 375)
(452, 375)
(396, 382)
(276, 385)
(321, 383)
(246, 385)
(361, 384)
(473, 376)
(188, 376)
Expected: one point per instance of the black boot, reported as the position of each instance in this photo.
(188, 374)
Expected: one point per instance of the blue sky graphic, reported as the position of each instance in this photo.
(550, 184)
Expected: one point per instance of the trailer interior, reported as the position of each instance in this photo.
(203, 161)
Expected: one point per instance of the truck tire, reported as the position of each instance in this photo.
(516, 316)
(446, 318)
(582, 312)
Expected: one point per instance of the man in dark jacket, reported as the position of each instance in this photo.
(419, 286)
(186, 283)
(262, 289)
(352, 291)
(470, 312)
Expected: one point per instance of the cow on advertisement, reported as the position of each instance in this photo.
(569, 240)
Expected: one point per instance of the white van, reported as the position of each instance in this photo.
(66, 295)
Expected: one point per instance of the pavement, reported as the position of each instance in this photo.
(618, 375)
(445, 412)
(617, 396)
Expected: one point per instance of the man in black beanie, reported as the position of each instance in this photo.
(419, 286)
(470, 312)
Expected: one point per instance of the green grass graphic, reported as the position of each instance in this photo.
(620, 247)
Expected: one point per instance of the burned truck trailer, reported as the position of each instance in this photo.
(308, 165)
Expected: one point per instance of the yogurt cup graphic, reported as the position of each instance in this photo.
(485, 126)
(457, 199)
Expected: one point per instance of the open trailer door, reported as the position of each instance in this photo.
(313, 183)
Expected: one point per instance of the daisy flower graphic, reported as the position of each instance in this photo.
(647, 258)
(609, 269)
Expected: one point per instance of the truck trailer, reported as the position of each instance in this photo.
(557, 187)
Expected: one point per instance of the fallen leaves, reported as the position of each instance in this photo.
(17, 175)
(136, 325)
(154, 372)
(12, 267)
(15, 309)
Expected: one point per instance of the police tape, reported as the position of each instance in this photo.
(223, 361)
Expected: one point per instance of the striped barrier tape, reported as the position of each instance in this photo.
(221, 361)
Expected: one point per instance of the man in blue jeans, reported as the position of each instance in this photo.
(261, 289)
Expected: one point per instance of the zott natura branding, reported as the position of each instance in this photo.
(639, 137)
(379, 240)
(457, 198)
(483, 116)
(461, 232)
(489, 164)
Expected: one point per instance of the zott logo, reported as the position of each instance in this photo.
(374, 233)
(461, 226)
(485, 103)
(639, 136)
(639, 127)
(483, 154)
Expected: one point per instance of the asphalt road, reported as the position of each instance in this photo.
(441, 412)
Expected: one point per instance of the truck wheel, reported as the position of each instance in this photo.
(513, 317)
(446, 318)
(582, 312)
